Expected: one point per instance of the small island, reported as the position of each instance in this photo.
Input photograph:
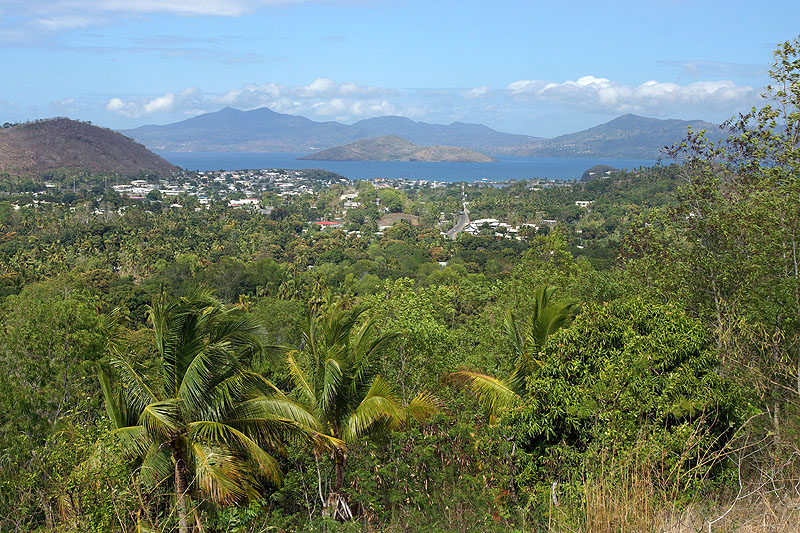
(394, 148)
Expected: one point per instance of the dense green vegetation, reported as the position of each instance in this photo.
(228, 370)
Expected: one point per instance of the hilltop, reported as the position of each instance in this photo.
(628, 136)
(35, 147)
(394, 148)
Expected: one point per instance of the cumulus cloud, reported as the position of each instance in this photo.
(603, 95)
(160, 104)
(141, 107)
(322, 98)
(120, 107)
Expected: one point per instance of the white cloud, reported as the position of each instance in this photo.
(66, 22)
(39, 18)
(477, 92)
(159, 105)
(141, 107)
(181, 7)
(66, 105)
(322, 98)
(120, 107)
(328, 99)
(654, 97)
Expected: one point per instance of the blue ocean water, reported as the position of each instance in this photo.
(556, 168)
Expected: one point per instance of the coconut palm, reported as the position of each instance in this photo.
(336, 377)
(495, 394)
(204, 419)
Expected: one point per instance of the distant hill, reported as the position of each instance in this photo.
(628, 136)
(596, 172)
(35, 147)
(263, 130)
(394, 148)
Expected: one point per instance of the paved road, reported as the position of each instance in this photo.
(463, 220)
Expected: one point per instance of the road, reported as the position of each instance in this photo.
(463, 220)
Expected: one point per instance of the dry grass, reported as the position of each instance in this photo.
(634, 505)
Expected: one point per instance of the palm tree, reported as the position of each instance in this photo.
(205, 419)
(495, 394)
(337, 379)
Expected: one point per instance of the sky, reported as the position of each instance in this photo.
(531, 67)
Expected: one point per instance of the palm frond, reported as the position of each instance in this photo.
(301, 382)
(207, 433)
(133, 440)
(208, 368)
(244, 336)
(165, 337)
(380, 404)
(278, 406)
(422, 406)
(364, 349)
(180, 326)
(157, 466)
(331, 380)
(161, 418)
(220, 473)
(548, 317)
(137, 391)
(119, 412)
(493, 394)
(513, 333)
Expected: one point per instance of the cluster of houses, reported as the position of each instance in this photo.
(226, 184)
(500, 229)
(138, 189)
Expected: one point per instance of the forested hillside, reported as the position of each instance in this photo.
(617, 355)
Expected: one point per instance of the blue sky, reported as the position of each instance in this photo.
(538, 68)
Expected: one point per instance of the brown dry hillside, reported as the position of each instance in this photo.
(35, 147)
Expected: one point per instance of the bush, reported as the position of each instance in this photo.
(630, 379)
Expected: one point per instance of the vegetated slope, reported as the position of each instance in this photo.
(394, 148)
(263, 130)
(36, 147)
(628, 136)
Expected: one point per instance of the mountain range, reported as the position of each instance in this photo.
(264, 130)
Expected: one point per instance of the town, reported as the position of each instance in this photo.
(262, 190)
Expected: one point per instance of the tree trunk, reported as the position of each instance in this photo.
(512, 486)
(181, 486)
(336, 507)
(338, 458)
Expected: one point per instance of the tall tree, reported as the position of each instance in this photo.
(337, 378)
(206, 419)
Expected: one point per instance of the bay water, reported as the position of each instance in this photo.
(506, 168)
